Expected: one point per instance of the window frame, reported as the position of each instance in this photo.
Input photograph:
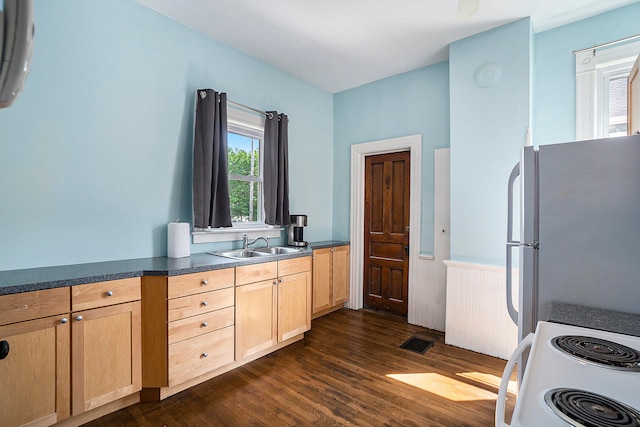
(594, 68)
(251, 124)
(249, 133)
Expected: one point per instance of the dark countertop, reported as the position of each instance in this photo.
(33, 279)
(594, 318)
(327, 244)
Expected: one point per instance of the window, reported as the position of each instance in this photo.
(601, 90)
(245, 131)
(245, 177)
(244, 137)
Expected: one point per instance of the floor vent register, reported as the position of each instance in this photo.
(417, 345)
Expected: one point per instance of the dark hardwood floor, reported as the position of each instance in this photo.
(348, 370)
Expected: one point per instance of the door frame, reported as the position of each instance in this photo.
(413, 144)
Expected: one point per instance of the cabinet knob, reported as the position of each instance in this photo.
(78, 318)
(205, 303)
(64, 320)
(205, 354)
(109, 293)
(205, 282)
(205, 324)
(275, 282)
(4, 349)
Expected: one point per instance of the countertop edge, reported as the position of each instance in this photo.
(42, 278)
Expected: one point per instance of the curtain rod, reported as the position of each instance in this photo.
(264, 113)
(598, 46)
(246, 107)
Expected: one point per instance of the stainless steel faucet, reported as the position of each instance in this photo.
(246, 242)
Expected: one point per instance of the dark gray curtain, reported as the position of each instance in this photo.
(276, 169)
(210, 179)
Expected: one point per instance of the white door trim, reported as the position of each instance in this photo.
(413, 143)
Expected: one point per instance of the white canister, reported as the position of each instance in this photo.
(178, 240)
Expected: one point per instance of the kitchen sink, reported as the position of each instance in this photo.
(277, 250)
(240, 253)
(258, 252)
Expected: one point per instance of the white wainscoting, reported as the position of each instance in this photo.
(427, 294)
(476, 316)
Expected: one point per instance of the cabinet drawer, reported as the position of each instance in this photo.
(101, 294)
(189, 284)
(256, 272)
(33, 305)
(292, 266)
(193, 305)
(199, 355)
(201, 324)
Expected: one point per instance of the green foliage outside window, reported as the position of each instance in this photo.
(243, 194)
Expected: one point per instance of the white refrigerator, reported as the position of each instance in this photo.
(578, 237)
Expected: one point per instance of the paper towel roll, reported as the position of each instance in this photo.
(178, 241)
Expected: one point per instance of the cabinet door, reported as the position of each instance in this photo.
(256, 327)
(106, 355)
(340, 275)
(322, 299)
(294, 305)
(34, 375)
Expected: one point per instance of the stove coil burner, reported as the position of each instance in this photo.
(598, 351)
(585, 409)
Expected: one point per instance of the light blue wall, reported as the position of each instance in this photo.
(411, 103)
(95, 154)
(555, 84)
(488, 128)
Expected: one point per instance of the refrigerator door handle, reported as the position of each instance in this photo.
(513, 313)
(515, 173)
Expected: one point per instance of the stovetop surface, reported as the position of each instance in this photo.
(550, 368)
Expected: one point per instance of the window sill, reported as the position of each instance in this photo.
(231, 234)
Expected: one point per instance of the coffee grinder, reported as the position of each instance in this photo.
(298, 222)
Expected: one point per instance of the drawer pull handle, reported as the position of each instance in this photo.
(64, 320)
(205, 324)
(205, 354)
(205, 303)
(205, 282)
(78, 318)
(109, 293)
(4, 349)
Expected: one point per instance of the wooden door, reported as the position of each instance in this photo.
(34, 375)
(256, 322)
(340, 275)
(322, 279)
(106, 355)
(294, 305)
(386, 232)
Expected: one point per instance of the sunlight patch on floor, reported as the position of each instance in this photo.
(448, 388)
(489, 379)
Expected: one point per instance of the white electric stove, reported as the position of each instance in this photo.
(575, 377)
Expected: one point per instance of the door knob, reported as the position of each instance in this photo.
(4, 349)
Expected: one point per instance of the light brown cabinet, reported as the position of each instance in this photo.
(273, 304)
(70, 350)
(188, 329)
(330, 279)
(106, 343)
(35, 360)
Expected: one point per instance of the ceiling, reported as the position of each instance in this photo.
(340, 44)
